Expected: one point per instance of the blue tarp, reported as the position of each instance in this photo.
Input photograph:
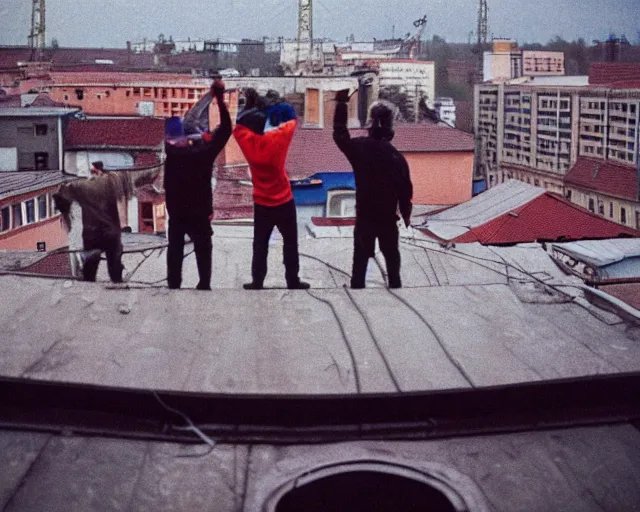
(479, 186)
(317, 194)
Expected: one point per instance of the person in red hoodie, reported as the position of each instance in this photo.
(266, 153)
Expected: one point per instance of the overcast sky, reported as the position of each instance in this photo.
(110, 23)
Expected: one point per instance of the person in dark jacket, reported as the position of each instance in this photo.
(98, 197)
(187, 182)
(266, 153)
(383, 186)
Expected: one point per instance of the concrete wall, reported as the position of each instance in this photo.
(20, 133)
(410, 76)
(441, 178)
(632, 209)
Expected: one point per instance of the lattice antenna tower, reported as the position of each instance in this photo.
(483, 22)
(305, 30)
(37, 37)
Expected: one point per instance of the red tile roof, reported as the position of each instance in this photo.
(313, 150)
(604, 73)
(141, 132)
(231, 199)
(605, 177)
(547, 217)
(54, 264)
(146, 159)
(628, 293)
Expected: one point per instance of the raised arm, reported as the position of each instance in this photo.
(341, 134)
(219, 137)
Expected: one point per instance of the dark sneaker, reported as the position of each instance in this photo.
(203, 287)
(91, 256)
(252, 286)
(298, 285)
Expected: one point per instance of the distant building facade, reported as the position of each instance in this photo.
(28, 219)
(31, 138)
(581, 141)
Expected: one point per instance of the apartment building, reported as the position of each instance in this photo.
(580, 141)
(128, 94)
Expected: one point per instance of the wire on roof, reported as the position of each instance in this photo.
(354, 364)
(365, 318)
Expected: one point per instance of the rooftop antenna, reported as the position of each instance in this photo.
(305, 31)
(37, 39)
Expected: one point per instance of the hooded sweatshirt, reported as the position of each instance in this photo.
(266, 154)
(381, 172)
(188, 170)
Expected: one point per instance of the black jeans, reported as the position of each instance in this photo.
(199, 231)
(113, 249)
(265, 218)
(364, 242)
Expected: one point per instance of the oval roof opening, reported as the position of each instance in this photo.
(356, 491)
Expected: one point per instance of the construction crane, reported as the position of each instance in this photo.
(37, 39)
(411, 45)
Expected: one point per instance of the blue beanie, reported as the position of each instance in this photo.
(173, 128)
(281, 113)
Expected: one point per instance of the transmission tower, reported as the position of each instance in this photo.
(305, 30)
(37, 39)
(483, 22)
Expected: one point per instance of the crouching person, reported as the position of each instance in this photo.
(98, 197)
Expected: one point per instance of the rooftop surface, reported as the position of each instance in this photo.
(604, 176)
(467, 317)
(20, 182)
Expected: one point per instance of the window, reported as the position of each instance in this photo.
(611, 210)
(592, 206)
(16, 210)
(30, 207)
(136, 91)
(80, 94)
(536, 183)
(42, 207)
(568, 195)
(600, 207)
(66, 97)
(41, 129)
(42, 161)
(5, 219)
(623, 215)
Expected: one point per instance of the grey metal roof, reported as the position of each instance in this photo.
(494, 202)
(36, 111)
(13, 183)
(599, 253)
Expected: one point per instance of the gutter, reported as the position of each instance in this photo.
(610, 303)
